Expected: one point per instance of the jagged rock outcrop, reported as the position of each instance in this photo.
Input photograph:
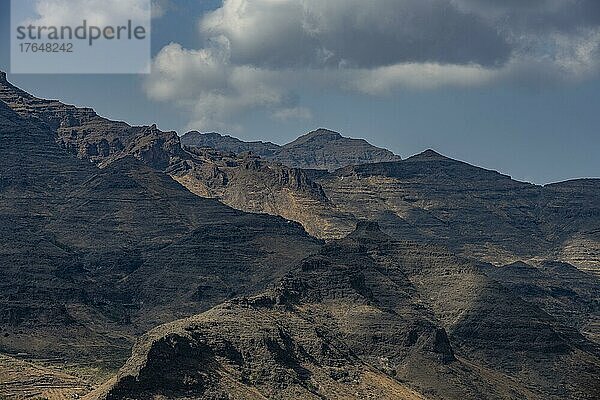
(320, 149)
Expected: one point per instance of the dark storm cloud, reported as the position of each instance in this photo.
(355, 33)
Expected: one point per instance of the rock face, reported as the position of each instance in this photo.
(366, 316)
(321, 149)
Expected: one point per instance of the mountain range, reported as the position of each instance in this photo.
(137, 265)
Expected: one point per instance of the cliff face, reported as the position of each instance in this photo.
(251, 184)
(321, 149)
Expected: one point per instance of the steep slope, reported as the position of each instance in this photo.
(78, 243)
(365, 317)
(321, 149)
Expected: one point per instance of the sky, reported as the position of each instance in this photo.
(512, 86)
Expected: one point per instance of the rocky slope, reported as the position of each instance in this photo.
(367, 317)
(320, 149)
(86, 251)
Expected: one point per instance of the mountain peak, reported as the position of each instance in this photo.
(429, 154)
(324, 132)
(320, 135)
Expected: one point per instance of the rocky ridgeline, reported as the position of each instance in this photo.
(249, 183)
(321, 149)
(87, 135)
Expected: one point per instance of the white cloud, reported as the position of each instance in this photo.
(260, 53)
(205, 82)
(96, 12)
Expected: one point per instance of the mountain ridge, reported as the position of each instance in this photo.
(427, 196)
(318, 149)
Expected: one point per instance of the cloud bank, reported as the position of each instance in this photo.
(259, 54)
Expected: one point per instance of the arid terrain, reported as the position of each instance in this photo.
(135, 264)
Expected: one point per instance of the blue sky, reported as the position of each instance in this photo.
(526, 107)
